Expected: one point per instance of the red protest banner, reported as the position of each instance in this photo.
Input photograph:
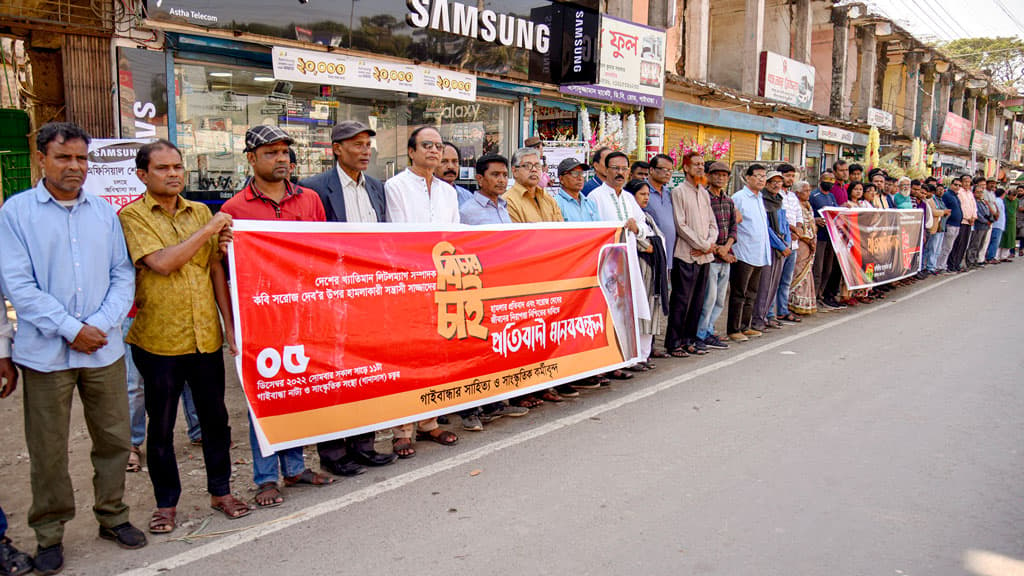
(345, 329)
(876, 246)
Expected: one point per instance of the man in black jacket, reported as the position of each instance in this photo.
(349, 195)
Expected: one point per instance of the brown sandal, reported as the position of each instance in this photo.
(162, 521)
(307, 476)
(134, 460)
(232, 507)
(403, 447)
(443, 437)
(269, 495)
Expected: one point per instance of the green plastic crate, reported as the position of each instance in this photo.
(14, 129)
(15, 172)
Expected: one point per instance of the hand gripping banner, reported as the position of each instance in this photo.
(875, 246)
(348, 328)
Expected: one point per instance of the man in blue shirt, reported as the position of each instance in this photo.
(752, 253)
(660, 205)
(952, 229)
(826, 267)
(448, 170)
(574, 205)
(600, 170)
(66, 269)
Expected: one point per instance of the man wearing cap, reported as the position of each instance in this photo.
(349, 194)
(794, 221)
(448, 170)
(716, 291)
(574, 205)
(780, 240)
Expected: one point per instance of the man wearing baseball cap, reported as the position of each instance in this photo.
(717, 289)
(574, 205)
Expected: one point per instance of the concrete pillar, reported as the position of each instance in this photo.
(657, 14)
(620, 9)
(956, 99)
(928, 95)
(697, 22)
(983, 115)
(47, 87)
(992, 124)
(868, 63)
(912, 62)
(802, 31)
(840, 40)
(970, 106)
(753, 43)
(941, 105)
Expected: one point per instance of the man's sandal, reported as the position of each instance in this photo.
(134, 460)
(269, 495)
(403, 447)
(13, 562)
(162, 521)
(232, 507)
(307, 476)
(443, 437)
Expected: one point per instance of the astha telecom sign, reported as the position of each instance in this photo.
(786, 80)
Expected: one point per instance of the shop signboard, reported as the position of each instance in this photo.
(632, 65)
(879, 118)
(984, 144)
(956, 130)
(833, 134)
(297, 65)
(112, 170)
(494, 36)
(573, 54)
(786, 80)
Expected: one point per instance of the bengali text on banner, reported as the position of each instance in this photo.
(875, 246)
(347, 328)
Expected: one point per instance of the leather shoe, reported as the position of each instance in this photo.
(49, 560)
(344, 467)
(127, 536)
(373, 458)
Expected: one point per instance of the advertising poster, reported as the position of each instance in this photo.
(112, 171)
(554, 152)
(348, 328)
(956, 130)
(875, 246)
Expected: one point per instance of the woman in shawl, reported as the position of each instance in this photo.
(1009, 239)
(802, 295)
(654, 270)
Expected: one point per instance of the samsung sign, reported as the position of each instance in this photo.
(472, 22)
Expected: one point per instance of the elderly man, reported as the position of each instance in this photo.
(696, 237)
(780, 238)
(600, 172)
(717, 287)
(448, 170)
(753, 255)
(574, 205)
(416, 196)
(67, 273)
(175, 246)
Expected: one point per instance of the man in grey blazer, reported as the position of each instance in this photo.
(349, 195)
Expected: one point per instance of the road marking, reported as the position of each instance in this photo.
(263, 530)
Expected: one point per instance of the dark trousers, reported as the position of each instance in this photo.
(826, 270)
(959, 251)
(767, 287)
(689, 280)
(334, 451)
(164, 378)
(977, 244)
(743, 283)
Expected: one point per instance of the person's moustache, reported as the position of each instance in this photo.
(450, 173)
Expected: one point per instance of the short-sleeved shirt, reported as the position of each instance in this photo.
(298, 204)
(532, 205)
(177, 314)
(573, 210)
(480, 209)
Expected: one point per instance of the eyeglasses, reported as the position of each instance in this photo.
(531, 166)
(428, 145)
(574, 174)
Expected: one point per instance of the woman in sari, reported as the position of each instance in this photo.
(654, 271)
(802, 297)
(1009, 239)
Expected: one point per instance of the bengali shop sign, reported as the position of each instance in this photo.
(956, 130)
(876, 246)
(348, 328)
(786, 80)
(112, 170)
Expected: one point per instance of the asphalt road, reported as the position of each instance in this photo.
(885, 440)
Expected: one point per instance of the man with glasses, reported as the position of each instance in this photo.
(753, 254)
(416, 196)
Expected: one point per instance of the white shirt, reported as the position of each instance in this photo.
(6, 331)
(620, 207)
(408, 200)
(357, 201)
(794, 213)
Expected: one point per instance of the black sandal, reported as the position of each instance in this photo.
(620, 375)
(13, 562)
(679, 353)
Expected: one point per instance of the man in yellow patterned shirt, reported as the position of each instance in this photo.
(176, 337)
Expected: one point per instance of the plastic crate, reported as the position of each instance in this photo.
(15, 172)
(14, 129)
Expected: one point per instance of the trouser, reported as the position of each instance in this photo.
(993, 244)
(743, 282)
(824, 259)
(1003, 253)
(406, 430)
(932, 249)
(947, 246)
(689, 281)
(645, 344)
(959, 250)
(976, 244)
(715, 294)
(3, 523)
(137, 400)
(781, 307)
(165, 378)
(47, 415)
(984, 245)
(334, 451)
(767, 287)
(266, 469)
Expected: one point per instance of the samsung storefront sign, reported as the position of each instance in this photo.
(472, 22)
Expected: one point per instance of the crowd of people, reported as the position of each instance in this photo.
(132, 309)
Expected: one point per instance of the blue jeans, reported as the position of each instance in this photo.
(268, 468)
(137, 400)
(714, 298)
(993, 244)
(932, 248)
(782, 294)
(3, 523)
